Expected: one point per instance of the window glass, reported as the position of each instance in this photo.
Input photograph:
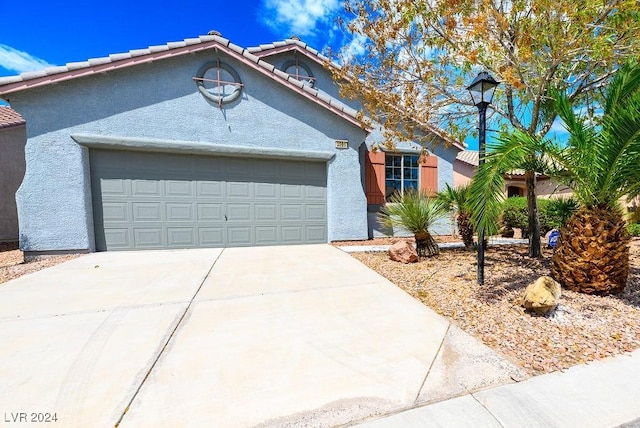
(401, 173)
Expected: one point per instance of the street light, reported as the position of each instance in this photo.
(481, 90)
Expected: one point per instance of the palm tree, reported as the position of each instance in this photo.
(517, 150)
(457, 201)
(417, 213)
(601, 163)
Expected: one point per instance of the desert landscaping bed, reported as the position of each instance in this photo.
(12, 264)
(583, 328)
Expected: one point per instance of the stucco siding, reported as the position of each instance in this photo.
(462, 173)
(161, 101)
(12, 166)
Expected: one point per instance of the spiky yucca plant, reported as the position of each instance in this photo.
(417, 213)
(601, 163)
(456, 200)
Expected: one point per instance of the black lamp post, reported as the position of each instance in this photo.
(481, 90)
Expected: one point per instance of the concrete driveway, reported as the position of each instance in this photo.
(272, 336)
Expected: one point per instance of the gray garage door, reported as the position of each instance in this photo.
(153, 200)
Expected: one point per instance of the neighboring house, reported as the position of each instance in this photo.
(13, 136)
(467, 162)
(202, 143)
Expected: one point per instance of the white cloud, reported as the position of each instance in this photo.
(300, 17)
(18, 61)
(355, 48)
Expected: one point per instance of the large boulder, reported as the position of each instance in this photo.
(542, 295)
(403, 252)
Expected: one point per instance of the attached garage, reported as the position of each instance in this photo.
(144, 200)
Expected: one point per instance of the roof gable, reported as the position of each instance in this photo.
(290, 45)
(93, 66)
(9, 117)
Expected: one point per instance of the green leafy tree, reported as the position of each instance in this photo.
(457, 201)
(417, 213)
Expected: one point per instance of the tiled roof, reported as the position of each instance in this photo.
(289, 45)
(470, 157)
(250, 56)
(10, 117)
(73, 70)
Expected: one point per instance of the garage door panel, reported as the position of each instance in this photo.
(210, 212)
(265, 190)
(292, 234)
(238, 190)
(147, 200)
(211, 236)
(315, 213)
(266, 234)
(316, 192)
(239, 236)
(180, 212)
(179, 188)
(148, 237)
(265, 212)
(146, 188)
(210, 189)
(315, 234)
(115, 211)
(290, 191)
(114, 187)
(291, 212)
(238, 212)
(181, 237)
(144, 212)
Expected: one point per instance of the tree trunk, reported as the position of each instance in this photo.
(426, 246)
(532, 210)
(465, 228)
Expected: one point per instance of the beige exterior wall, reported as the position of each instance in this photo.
(12, 166)
(462, 173)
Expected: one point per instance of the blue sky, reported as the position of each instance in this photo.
(39, 33)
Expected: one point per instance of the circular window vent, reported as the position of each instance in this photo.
(218, 82)
(300, 71)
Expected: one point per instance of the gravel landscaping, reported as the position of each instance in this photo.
(12, 264)
(583, 328)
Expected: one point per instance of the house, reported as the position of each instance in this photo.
(466, 164)
(202, 143)
(13, 136)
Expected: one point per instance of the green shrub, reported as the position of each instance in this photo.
(559, 210)
(515, 215)
(634, 229)
(552, 213)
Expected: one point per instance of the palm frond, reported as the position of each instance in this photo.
(511, 151)
(601, 163)
(413, 211)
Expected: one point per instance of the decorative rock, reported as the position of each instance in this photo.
(404, 252)
(542, 295)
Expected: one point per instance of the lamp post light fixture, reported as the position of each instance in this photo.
(481, 90)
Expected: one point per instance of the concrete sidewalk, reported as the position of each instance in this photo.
(272, 336)
(601, 394)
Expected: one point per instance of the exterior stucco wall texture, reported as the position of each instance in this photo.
(12, 166)
(161, 101)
